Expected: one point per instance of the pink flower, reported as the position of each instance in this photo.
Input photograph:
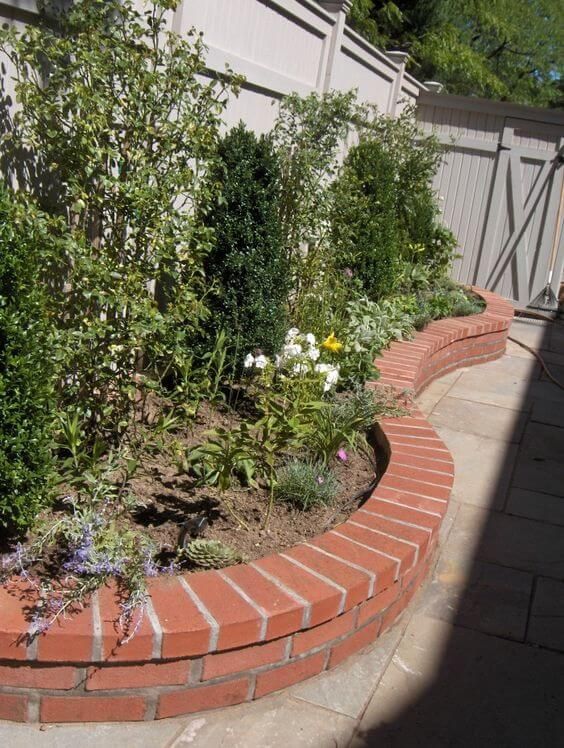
(342, 455)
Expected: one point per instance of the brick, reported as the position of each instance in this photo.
(203, 697)
(239, 622)
(69, 639)
(357, 583)
(416, 517)
(185, 630)
(420, 475)
(30, 676)
(287, 675)
(396, 529)
(284, 614)
(416, 486)
(13, 707)
(14, 597)
(240, 660)
(92, 709)
(378, 604)
(324, 599)
(393, 613)
(137, 676)
(403, 552)
(384, 568)
(401, 458)
(432, 506)
(115, 643)
(357, 641)
(321, 635)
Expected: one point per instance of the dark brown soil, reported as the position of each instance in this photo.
(172, 499)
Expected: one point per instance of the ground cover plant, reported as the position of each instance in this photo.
(188, 317)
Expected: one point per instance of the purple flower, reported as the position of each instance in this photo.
(342, 455)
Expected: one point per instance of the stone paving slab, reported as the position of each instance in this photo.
(480, 419)
(451, 686)
(546, 626)
(536, 505)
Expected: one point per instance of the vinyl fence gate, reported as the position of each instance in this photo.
(500, 187)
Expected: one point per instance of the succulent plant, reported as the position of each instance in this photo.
(209, 554)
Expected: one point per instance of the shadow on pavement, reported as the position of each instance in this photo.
(492, 619)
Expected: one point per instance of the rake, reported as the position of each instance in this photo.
(546, 299)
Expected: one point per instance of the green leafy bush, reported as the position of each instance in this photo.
(248, 266)
(306, 485)
(27, 370)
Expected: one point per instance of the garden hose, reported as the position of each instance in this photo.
(540, 359)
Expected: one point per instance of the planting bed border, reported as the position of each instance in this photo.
(217, 638)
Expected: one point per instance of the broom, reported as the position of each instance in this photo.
(546, 299)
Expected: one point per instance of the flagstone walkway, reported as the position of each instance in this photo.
(478, 659)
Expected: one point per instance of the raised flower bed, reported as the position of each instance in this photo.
(217, 638)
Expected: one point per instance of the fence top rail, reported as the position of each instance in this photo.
(502, 108)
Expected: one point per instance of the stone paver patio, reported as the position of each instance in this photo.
(478, 658)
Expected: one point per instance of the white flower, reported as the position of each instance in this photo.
(310, 337)
(249, 361)
(292, 334)
(291, 350)
(331, 375)
(261, 361)
(299, 369)
(277, 361)
(313, 353)
(322, 368)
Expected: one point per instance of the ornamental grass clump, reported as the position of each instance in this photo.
(305, 485)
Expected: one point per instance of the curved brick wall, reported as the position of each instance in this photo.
(217, 638)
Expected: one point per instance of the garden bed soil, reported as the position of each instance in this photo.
(171, 500)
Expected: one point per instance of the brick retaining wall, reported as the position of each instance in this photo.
(216, 638)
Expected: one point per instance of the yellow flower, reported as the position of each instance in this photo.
(332, 344)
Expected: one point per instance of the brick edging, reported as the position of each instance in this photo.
(218, 638)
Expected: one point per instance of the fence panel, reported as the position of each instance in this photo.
(500, 185)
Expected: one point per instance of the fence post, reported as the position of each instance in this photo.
(339, 9)
(400, 59)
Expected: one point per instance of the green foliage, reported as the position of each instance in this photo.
(248, 265)
(209, 554)
(306, 485)
(334, 427)
(384, 205)
(502, 49)
(124, 129)
(358, 406)
(27, 369)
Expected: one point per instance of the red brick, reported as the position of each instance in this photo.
(137, 676)
(433, 506)
(417, 448)
(395, 610)
(287, 675)
(362, 638)
(421, 476)
(324, 633)
(403, 552)
(378, 604)
(415, 517)
(185, 630)
(29, 676)
(240, 660)
(14, 596)
(416, 486)
(115, 643)
(92, 709)
(384, 568)
(416, 574)
(13, 707)
(405, 459)
(405, 428)
(324, 599)
(285, 614)
(69, 639)
(357, 583)
(239, 623)
(397, 529)
(203, 697)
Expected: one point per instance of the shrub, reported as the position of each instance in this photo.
(306, 485)
(247, 265)
(365, 227)
(27, 370)
(123, 129)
